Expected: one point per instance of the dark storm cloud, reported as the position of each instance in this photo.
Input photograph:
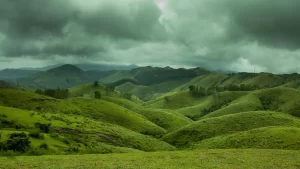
(128, 19)
(41, 28)
(34, 18)
(273, 22)
(215, 34)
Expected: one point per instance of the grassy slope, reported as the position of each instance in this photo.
(227, 159)
(203, 81)
(260, 79)
(211, 127)
(243, 104)
(216, 100)
(152, 91)
(116, 76)
(96, 109)
(93, 133)
(85, 90)
(262, 138)
(278, 99)
(167, 119)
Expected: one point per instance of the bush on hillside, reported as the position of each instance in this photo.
(43, 127)
(36, 135)
(97, 95)
(44, 146)
(17, 142)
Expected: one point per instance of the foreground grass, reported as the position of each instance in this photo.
(186, 159)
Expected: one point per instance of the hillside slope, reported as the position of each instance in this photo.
(261, 138)
(211, 127)
(92, 108)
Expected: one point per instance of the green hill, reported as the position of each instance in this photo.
(167, 119)
(194, 107)
(75, 131)
(279, 99)
(64, 76)
(147, 93)
(262, 138)
(212, 127)
(92, 108)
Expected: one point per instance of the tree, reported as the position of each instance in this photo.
(97, 95)
(18, 142)
(127, 96)
(96, 84)
(39, 91)
(43, 127)
(192, 88)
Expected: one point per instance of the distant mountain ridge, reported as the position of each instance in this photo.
(87, 67)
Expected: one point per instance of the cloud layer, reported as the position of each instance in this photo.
(229, 35)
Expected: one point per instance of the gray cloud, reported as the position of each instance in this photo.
(227, 34)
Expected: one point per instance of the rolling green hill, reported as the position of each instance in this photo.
(212, 127)
(261, 138)
(279, 99)
(75, 131)
(92, 108)
(64, 76)
(167, 119)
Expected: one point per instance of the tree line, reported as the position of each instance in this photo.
(55, 93)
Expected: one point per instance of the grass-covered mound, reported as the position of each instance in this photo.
(65, 132)
(229, 124)
(261, 138)
(243, 104)
(167, 119)
(211, 103)
(227, 159)
(279, 99)
(92, 108)
(147, 93)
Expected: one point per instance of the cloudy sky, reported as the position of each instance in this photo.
(237, 35)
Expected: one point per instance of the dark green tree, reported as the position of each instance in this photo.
(96, 84)
(97, 94)
(17, 142)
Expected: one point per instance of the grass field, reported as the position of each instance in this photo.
(229, 124)
(226, 159)
(262, 138)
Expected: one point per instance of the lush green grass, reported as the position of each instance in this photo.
(84, 133)
(227, 159)
(211, 127)
(243, 104)
(279, 99)
(167, 119)
(216, 101)
(152, 91)
(203, 81)
(262, 138)
(92, 108)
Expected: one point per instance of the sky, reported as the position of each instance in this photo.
(237, 35)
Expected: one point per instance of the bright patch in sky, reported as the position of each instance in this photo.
(161, 4)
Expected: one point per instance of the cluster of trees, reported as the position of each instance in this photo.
(201, 91)
(55, 93)
(16, 142)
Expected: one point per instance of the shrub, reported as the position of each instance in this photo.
(44, 146)
(97, 95)
(43, 127)
(36, 135)
(17, 142)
